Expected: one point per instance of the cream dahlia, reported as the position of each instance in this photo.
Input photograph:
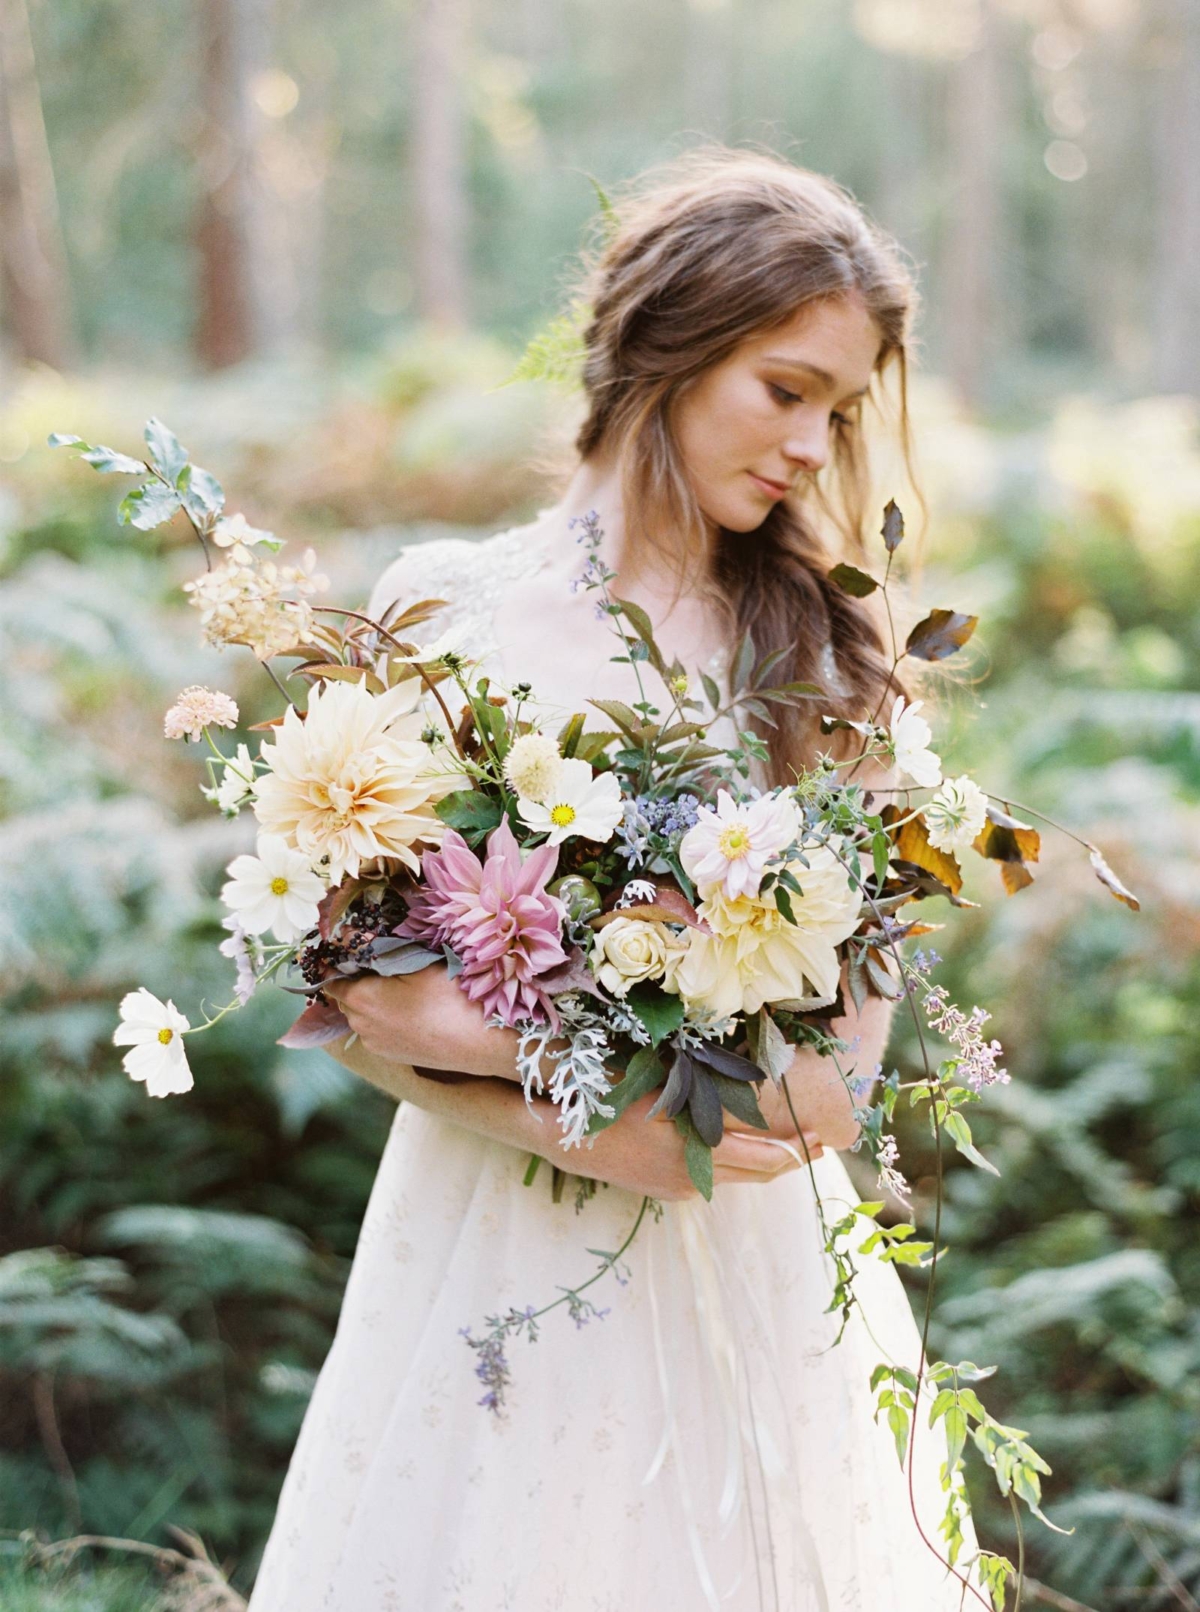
(352, 781)
(754, 955)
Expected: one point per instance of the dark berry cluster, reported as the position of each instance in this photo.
(358, 930)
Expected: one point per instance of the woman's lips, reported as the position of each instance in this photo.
(773, 489)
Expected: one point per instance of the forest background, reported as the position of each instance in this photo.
(315, 240)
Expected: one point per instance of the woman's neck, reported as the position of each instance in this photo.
(646, 564)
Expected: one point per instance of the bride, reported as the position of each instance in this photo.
(701, 1443)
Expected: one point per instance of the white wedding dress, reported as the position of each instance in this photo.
(699, 1446)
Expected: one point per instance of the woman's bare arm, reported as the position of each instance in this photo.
(640, 1155)
(425, 1020)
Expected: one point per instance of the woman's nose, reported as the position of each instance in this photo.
(808, 449)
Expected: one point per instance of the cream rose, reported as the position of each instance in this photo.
(629, 950)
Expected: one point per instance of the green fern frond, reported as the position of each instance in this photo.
(556, 352)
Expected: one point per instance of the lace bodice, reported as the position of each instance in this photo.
(473, 576)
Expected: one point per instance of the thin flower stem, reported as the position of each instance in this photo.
(934, 1087)
(608, 1265)
(270, 671)
(337, 610)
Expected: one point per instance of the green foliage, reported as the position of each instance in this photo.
(172, 1271)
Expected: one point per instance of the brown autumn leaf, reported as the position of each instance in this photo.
(942, 633)
(1016, 876)
(1010, 842)
(1107, 877)
(853, 581)
(912, 843)
(892, 530)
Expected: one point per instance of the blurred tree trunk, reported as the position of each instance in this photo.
(977, 126)
(1177, 160)
(243, 303)
(34, 287)
(439, 162)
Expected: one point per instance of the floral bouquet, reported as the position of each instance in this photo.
(627, 897)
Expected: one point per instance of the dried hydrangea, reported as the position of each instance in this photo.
(256, 602)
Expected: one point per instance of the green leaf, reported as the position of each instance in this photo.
(62, 439)
(892, 530)
(148, 506)
(942, 633)
(660, 1013)
(711, 692)
(783, 902)
(898, 1422)
(704, 1103)
(743, 663)
(109, 462)
(697, 1156)
(627, 719)
(739, 1098)
(469, 812)
(165, 450)
(881, 848)
(956, 1433)
(202, 494)
(570, 734)
(958, 1128)
(643, 1074)
(853, 581)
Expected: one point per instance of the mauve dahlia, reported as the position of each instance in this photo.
(497, 917)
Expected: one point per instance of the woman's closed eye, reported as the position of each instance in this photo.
(782, 395)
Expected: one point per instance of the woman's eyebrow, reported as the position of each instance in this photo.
(822, 375)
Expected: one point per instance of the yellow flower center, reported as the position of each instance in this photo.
(734, 842)
(166, 1036)
(560, 816)
(279, 887)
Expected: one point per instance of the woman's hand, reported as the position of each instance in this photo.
(646, 1156)
(426, 1020)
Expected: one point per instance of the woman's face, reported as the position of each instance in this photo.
(751, 426)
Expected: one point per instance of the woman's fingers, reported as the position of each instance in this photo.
(742, 1156)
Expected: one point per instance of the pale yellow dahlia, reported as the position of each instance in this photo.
(352, 780)
(754, 955)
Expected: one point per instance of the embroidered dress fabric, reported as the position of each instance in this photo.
(703, 1445)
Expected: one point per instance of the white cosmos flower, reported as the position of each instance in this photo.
(729, 847)
(956, 814)
(236, 786)
(276, 890)
(153, 1031)
(581, 804)
(910, 744)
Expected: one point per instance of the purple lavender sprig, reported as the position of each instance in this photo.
(492, 1367)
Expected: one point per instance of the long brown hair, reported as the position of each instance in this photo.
(700, 253)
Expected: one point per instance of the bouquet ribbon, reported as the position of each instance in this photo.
(705, 1259)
